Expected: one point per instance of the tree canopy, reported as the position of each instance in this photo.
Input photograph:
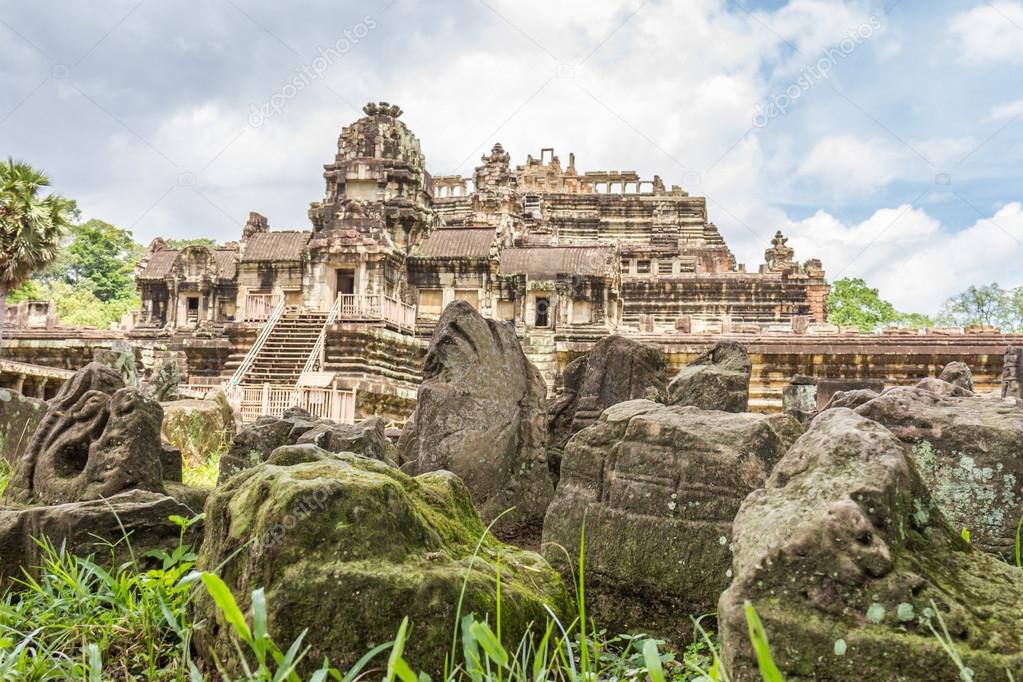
(31, 225)
(988, 305)
(852, 303)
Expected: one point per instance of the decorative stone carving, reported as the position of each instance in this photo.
(481, 414)
(845, 556)
(97, 439)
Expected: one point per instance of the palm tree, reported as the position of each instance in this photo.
(31, 225)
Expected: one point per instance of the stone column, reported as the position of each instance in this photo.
(41, 388)
(19, 384)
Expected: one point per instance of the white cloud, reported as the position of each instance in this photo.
(1003, 112)
(910, 257)
(991, 32)
(846, 165)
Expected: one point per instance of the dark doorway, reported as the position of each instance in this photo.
(346, 281)
(192, 316)
(543, 312)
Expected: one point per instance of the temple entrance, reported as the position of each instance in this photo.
(345, 281)
(192, 311)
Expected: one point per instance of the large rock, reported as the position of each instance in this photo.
(969, 451)
(615, 370)
(716, 380)
(958, 373)
(19, 417)
(845, 556)
(255, 441)
(347, 546)
(657, 488)
(481, 414)
(97, 439)
(199, 428)
(367, 438)
(164, 380)
(95, 527)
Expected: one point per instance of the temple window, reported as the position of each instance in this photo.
(642, 266)
(431, 301)
(543, 310)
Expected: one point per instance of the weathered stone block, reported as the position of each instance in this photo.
(347, 546)
(657, 488)
(848, 561)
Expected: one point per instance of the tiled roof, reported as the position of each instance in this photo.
(460, 242)
(548, 261)
(159, 264)
(227, 260)
(279, 245)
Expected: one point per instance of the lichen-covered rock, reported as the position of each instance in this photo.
(845, 557)
(481, 414)
(254, 443)
(615, 370)
(347, 546)
(97, 439)
(969, 451)
(958, 373)
(657, 488)
(716, 380)
(19, 417)
(199, 428)
(95, 527)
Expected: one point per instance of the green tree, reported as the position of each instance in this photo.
(852, 303)
(178, 244)
(31, 225)
(102, 257)
(989, 305)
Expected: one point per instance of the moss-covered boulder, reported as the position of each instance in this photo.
(850, 564)
(19, 417)
(969, 451)
(657, 488)
(347, 546)
(199, 428)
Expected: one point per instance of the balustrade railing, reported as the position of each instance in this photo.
(326, 403)
(259, 307)
(376, 307)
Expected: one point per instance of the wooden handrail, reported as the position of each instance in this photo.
(264, 334)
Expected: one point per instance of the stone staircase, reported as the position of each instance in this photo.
(539, 346)
(282, 357)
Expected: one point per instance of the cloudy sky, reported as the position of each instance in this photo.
(884, 137)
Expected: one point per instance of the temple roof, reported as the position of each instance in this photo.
(468, 242)
(159, 264)
(227, 260)
(548, 261)
(283, 245)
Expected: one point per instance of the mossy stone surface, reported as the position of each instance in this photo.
(656, 488)
(347, 546)
(849, 563)
(199, 428)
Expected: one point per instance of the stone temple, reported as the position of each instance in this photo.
(343, 311)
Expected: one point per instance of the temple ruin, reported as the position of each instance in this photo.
(337, 317)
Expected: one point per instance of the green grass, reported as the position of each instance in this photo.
(76, 620)
(205, 474)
